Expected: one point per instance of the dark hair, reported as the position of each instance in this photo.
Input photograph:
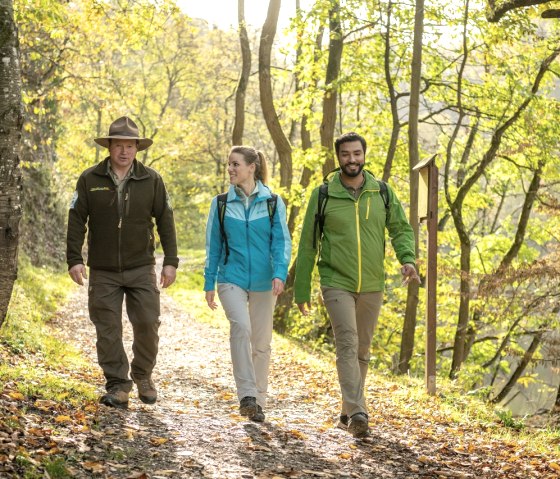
(350, 136)
(252, 155)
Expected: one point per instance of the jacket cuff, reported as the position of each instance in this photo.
(171, 261)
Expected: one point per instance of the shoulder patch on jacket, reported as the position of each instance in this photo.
(73, 200)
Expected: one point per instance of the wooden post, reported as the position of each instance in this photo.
(428, 210)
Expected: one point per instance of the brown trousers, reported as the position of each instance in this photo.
(107, 290)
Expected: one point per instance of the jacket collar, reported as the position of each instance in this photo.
(262, 195)
(337, 189)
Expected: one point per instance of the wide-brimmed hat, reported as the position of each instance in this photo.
(124, 129)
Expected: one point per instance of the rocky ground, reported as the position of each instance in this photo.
(194, 430)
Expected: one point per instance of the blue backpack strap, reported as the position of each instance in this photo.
(221, 203)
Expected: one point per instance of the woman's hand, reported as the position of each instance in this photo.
(210, 295)
(277, 286)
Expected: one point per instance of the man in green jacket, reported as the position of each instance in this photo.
(116, 202)
(352, 276)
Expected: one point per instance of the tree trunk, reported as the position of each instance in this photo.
(279, 138)
(239, 121)
(409, 326)
(393, 99)
(464, 308)
(11, 118)
(520, 367)
(331, 85)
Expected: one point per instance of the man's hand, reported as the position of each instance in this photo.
(168, 275)
(210, 299)
(409, 273)
(304, 308)
(277, 286)
(78, 273)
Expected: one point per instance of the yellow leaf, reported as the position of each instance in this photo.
(555, 466)
(158, 440)
(63, 419)
(16, 395)
(345, 455)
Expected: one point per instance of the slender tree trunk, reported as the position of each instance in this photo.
(520, 367)
(464, 308)
(409, 326)
(239, 122)
(330, 96)
(393, 100)
(279, 138)
(11, 119)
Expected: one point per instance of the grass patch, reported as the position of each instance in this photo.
(32, 361)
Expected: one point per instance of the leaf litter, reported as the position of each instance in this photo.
(195, 431)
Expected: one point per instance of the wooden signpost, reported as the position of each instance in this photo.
(428, 210)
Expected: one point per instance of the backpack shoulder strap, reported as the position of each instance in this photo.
(271, 204)
(384, 193)
(322, 198)
(221, 203)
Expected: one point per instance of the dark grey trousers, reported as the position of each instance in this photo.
(138, 287)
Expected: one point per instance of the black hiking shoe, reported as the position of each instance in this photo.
(258, 415)
(358, 425)
(342, 422)
(248, 406)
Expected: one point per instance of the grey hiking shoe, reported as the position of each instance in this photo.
(358, 425)
(258, 415)
(248, 406)
(114, 397)
(147, 392)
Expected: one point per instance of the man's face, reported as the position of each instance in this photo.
(351, 158)
(122, 153)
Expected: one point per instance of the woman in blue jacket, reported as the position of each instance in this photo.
(248, 251)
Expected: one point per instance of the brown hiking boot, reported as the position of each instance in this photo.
(358, 425)
(146, 390)
(114, 397)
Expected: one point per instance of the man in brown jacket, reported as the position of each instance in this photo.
(116, 202)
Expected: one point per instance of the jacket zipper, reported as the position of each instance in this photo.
(357, 208)
(122, 211)
(358, 237)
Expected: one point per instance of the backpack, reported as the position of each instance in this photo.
(222, 202)
(322, 204)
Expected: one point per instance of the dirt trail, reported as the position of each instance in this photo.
(194, 430)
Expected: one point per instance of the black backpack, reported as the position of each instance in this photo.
(322, 204)
(222, 202)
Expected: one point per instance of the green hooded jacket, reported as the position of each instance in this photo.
(352, 248)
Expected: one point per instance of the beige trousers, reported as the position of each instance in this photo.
(354, 318)
(250, 317)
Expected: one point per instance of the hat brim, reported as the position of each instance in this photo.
(143, 143)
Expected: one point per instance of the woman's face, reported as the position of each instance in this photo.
(239, 171)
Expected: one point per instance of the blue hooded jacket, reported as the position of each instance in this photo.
(258, 251)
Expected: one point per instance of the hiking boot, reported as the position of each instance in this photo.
(258, 415)
(248, 406)
(114, 397)
(147, 392)
(342, 422)
(358, 425)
